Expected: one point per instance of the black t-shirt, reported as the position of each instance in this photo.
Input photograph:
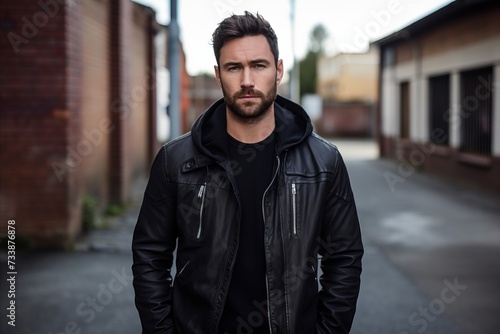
(245, 310)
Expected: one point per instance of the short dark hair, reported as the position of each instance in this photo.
(237, 26)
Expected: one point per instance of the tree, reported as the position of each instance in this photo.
(318, 36)
(307, 74)
(308, 65)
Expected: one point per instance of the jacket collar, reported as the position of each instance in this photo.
(293, 126)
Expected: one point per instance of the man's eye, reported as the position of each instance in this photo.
(234, 68)
(260, 66)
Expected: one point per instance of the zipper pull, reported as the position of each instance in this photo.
(294, 189)
(202, 190)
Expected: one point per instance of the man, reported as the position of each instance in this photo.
(250, 198)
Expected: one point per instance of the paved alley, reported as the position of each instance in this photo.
(432, 263)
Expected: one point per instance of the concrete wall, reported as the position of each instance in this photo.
(348, 77)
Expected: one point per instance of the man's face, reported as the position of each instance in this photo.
(248, 76)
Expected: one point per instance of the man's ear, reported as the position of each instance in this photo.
(279, 71)
(217, 74)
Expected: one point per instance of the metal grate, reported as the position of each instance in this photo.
(476, 110)
(439, 109)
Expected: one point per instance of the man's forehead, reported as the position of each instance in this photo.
(253, 47)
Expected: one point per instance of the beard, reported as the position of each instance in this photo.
(250, 111)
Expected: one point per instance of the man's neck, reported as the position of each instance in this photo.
(250, 132)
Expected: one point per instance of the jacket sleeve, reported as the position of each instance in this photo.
(340, 257)
(153, 245)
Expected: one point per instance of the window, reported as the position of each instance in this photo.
(389, 56)
(475, 110)
(404, 110)
(439, 105)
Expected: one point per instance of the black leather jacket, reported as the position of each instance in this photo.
(308, 210)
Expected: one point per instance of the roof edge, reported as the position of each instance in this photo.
(452, 10)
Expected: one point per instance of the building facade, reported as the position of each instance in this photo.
(77, 111)
(348, 86)
(348, 77)
(203, 92)
(163, 86)
(439, 98)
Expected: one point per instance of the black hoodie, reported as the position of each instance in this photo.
(190, 206)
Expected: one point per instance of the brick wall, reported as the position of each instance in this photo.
(60, 81)
(139, 68)
(73, 93)
(96, 97)
(346, 120)
(119, 109)
(35, 119)
(444, 162)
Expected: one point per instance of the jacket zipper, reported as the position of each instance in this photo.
(201, 194)
(182, 269)
(264, 219)
(294, 209)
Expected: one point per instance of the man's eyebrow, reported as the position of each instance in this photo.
(253, 62)
(231, 63)
(260, 61)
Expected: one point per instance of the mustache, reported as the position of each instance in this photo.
(252, 92)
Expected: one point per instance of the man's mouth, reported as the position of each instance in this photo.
(249, 95)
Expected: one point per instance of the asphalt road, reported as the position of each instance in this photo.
(432, 263)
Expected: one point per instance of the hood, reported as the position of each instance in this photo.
(293, 126)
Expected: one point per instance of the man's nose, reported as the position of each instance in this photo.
(247, 78)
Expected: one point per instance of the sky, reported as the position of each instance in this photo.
(350, 24)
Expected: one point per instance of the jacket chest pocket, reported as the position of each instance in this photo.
(294, 210)
(305, 206)
(190, 210)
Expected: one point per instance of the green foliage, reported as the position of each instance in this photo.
(89, 213)
(308, 67)
(114, 210)
(94, 218)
